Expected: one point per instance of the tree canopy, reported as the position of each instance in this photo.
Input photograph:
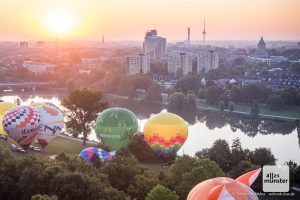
(83, 106)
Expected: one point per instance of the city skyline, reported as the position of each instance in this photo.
(129, 20)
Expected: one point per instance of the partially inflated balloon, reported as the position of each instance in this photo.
(165, 133)
(4, 107)
(223, 188)
(115, 127)
(89, 152)
(22, 124)
(51, 123)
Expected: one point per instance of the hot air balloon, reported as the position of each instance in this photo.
(4, 107)
(22, 125)
(51, 123)
(88, 153)
(223, 188)
(115, 127)
(165, 133)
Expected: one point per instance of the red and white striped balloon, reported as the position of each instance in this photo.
(22, 124)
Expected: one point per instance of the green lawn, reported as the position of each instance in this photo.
(70, 148)
(59, 144)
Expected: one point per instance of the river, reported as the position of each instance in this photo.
(283, 138)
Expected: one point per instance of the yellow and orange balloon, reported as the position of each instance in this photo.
(223, 188)
(165, 133)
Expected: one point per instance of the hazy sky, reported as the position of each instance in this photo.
(129, 19)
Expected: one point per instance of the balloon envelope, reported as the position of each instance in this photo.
(222, 188)
(89, 152)
(165, 133)
(115, 127)
(4, 107)
(51, 123)
(22, 124)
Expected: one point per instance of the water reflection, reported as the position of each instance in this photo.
(282, 137)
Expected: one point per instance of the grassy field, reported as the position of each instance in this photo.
(59, 144)
(69, 147)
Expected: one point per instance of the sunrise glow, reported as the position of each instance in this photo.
(60, 22)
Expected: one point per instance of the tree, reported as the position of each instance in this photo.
(255, 108)
(212, 94)
(186, 172)
(242, 167)
(125, 173)
(252, 92)
(262, 156)
(237, 152)
(202, 93)
(176, 102)
(189, 103)
(203, 154)
(83, 106)
(231, 106)
(294, 171)
(223, 98)
(189, 82)
(220, 153)
(275, 102)
(142, 151)
(141, 81)
(160, 192)
(154, 94)
(289, 96)
(221, 105)
(126, 88)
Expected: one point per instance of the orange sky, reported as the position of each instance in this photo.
(129, 19)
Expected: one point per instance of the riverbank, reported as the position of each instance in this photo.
(290, 114)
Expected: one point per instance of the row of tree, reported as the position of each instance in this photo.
(251, 93)
(124, 178)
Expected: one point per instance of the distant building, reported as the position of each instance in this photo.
(166, 82)
(90, 61)
(24, 44)
(180, 63)
(207, 61)
(154, 45)
(39, 67)
(40, 43)
(137, 64)
(261, 51)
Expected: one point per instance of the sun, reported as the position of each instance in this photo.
(60, 22)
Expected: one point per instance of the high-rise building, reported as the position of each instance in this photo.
(154, 45)
(204, 33)
(24, 44)
(137, 64)
(40, 43)
(207, 61)
(180, 63)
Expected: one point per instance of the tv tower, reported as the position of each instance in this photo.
(203, 33)
(189, 36)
